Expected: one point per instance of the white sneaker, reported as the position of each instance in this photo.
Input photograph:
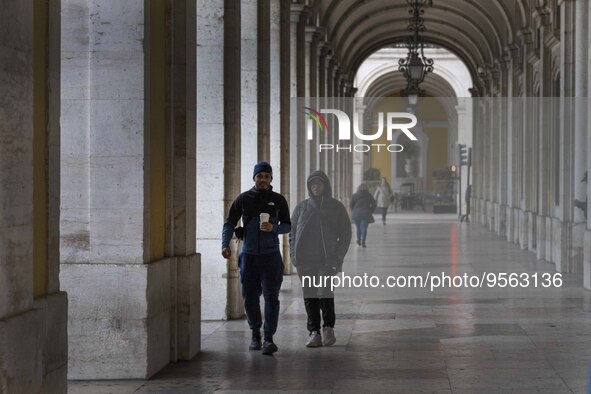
(328, 336)
(315, 340)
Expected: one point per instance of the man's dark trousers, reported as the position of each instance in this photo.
(261, 274)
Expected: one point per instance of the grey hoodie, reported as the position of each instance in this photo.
(320, 230)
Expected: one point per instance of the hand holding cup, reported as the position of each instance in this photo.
(264, 222)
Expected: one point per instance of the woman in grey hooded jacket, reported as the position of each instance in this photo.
(319, 239)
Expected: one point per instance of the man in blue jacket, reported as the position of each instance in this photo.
(265, 215)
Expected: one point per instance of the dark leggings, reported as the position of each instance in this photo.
(313, 308)
(384, 211)
(319, 301)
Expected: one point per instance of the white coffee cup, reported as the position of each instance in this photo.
(264, 217)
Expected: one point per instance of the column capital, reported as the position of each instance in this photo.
(512, 52)
(331, 59)
(526, 35)
(504, 63)
(309, 31)
(323, 47)
(542, 13)
(318, 33)
(295, 12)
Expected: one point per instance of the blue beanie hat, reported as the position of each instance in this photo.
(262, 166)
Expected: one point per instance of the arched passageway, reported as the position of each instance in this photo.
(127, 129)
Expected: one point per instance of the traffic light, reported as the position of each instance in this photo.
(463, 150)
(453, 168)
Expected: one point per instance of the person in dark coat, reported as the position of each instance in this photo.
(319, 239)
(362, 205)
(265, 215)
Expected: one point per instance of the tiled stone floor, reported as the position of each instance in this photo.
(407, 340)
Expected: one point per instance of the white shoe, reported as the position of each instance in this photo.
(315, 340)
(328, 336)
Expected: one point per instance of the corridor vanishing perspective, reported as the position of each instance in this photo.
(407, 340)
(129, 127)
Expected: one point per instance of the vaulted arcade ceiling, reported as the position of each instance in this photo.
(480, 32)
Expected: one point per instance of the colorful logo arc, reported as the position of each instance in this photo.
(318, 118)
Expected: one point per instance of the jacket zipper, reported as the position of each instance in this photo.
(322, 231)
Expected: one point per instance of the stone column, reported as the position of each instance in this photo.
(181, 116)
(332, 138)
(483, 159)
(357, 162)
(465, 136)
(275, 93)
(477, 158)
(232, 145)
(211, 197)
(514, 132)
(321, 100)
(525, 224)
(348, 173)
(276, 134)
(581, 83)
(544, 170)
(490, 161)
(33, 310)
(532, 131)
(496, 122)
(105, 224)
(302, 168)
(587, 239)
(125, 174)
(295, 138)
(284, 110)
(309, 95)
(249, 88)
(502, 148)
(560, 194)
(339, 160)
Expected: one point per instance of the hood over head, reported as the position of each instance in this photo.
(322, 176)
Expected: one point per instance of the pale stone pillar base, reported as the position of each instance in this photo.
(490, 215)
(559, 238)
(39, 364)
(501, 219)
(548, 239)
(576, 247)
(531, 231)
(126, 318)
(587, 260)
(510, 233)
(541, 237)
(524, 229)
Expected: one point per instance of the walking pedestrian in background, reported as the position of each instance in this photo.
(383, 197)
(362, 205)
